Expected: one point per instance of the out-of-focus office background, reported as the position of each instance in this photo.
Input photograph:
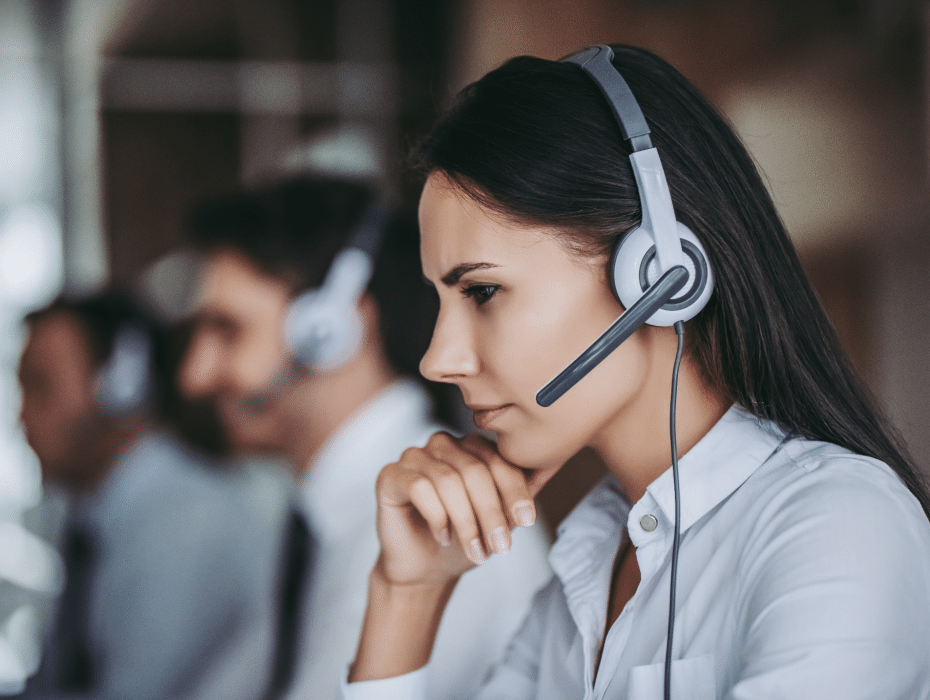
(117, 115)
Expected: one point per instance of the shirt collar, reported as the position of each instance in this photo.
(588, 539)
(737, 445)
(338, 492)
(584, 552)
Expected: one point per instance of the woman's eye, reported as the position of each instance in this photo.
(480, 293)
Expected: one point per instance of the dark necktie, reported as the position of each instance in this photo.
(75, 668)
(298, 552)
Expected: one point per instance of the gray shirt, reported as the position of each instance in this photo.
(174, 581)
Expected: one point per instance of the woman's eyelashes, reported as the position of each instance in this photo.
(480, 293)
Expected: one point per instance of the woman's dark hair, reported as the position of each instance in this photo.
(536, 142)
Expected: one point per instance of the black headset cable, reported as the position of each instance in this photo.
(680, 332)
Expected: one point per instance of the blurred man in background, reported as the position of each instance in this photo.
(159, 579)
(276, 264)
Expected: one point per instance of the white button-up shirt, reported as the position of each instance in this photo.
(338, 499)
(804, 572)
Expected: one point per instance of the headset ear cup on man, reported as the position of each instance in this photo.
(323, 328)
(322, 334)
(633, 269)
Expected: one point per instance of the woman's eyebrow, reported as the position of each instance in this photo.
(455, 274)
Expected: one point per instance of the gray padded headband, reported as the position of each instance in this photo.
(596, 62)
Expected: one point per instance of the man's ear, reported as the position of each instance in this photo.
(370, 314)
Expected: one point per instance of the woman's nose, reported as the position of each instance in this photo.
(451, 355)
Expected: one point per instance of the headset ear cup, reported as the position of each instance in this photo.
(323, 328)
(631, 273)
(124, 384)
(322, 333)
(627, 255)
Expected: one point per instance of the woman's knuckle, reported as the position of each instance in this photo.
(439, 440)
(411, 455)
(419, 486)
(422, 490)
(473, 471)
(468, 531)
(386, 474)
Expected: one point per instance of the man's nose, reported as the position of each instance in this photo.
(199, 373)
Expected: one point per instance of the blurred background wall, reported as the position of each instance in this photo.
(117, 115)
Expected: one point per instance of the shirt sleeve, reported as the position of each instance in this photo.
(410, 686)
(488, 608)
(514, 678)
(836, 601)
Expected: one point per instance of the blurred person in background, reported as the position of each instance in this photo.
(337, 424)
(156, 542)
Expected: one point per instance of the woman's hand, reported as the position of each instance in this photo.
(442, 509)
(448, 506)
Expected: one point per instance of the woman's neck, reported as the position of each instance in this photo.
(635, 445)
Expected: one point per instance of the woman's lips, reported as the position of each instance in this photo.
(486, 417)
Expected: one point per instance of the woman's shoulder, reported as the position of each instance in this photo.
(830, 476)
(826, 496)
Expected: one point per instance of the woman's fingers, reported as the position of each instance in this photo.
(452, 490)
(511, 483)
(486, 502)
(461, 487)
(470, 498)
(436, 491)
(497, 490)
(426, 500)
(406, 483)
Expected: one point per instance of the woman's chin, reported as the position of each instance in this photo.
(528, 453)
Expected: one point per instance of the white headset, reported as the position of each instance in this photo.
(658, 271)
(323, 329)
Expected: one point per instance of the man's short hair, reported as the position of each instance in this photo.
(293, 230)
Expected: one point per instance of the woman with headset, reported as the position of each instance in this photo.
(794, 530)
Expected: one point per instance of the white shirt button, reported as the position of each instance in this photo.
(648, 523)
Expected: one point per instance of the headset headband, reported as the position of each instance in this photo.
(369, 232)
(657, 210)
(597, 62)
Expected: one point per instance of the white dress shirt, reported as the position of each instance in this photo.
(338, 500)
(172, 580)
(804, 572)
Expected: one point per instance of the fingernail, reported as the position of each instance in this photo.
(444, 539)
(477, 551)
(525, 513)
(500, 540)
